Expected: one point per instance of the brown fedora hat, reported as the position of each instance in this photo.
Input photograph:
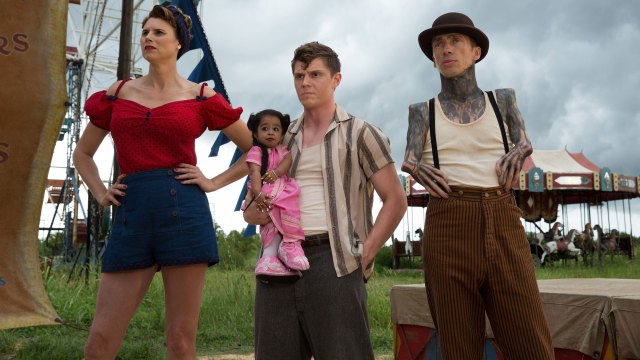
(453, 22)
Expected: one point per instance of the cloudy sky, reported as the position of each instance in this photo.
(573, 64)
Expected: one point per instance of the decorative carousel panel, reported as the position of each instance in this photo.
(606, 179)
(626, 183)
(536, 180)
(549, 206)
(530, 205)
(569, 181)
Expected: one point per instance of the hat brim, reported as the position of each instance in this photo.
(425, 37)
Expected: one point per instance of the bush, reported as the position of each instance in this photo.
(52, 246)
(237, 252)
(384, 258)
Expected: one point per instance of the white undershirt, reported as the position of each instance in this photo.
(312, 200)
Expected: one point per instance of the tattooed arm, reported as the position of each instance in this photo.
(508, 166)
(434, 180)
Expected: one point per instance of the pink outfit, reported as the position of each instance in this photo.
(285, 196)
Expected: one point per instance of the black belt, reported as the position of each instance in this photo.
(316, 240)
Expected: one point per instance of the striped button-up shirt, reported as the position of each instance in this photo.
(351, 152)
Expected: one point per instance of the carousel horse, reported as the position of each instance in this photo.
(606, 243)
(555, 233)
(587, 242)
(537, 251)
(538, 248)
(565, 247)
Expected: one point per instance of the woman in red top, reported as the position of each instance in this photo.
(162, 221)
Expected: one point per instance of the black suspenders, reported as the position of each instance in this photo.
(432, 132)
(492, 99)
(432, 127)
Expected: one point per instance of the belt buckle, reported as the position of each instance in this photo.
(315, 240)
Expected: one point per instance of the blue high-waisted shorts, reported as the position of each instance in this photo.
(160, 222)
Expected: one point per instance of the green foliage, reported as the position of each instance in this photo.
(53, 246)
(384, 258)
(237, 252)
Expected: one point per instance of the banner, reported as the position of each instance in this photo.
(32, 97)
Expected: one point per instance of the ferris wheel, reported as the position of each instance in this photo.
(92, 57)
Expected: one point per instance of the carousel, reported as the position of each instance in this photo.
(552, 181)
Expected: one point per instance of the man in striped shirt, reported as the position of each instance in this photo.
(338, 160)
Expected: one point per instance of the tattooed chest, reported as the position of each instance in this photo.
(463, 113)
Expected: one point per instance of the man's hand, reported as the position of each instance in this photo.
(367, 257)
(508, 167)
(432, 178)
(255, 216)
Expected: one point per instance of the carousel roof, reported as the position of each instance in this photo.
(559, 161)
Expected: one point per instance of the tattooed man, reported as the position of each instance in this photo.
(466, 147)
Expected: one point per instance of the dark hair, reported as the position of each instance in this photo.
(180, 22)
(308, 52)
(254, 122)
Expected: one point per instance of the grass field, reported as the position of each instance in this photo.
(226, 322)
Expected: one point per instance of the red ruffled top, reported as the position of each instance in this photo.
(160, 137)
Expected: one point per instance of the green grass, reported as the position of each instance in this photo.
(611, 267)
(226, 321)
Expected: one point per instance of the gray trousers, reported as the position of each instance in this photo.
(320, 315)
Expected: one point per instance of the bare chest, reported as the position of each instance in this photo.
(153, 98)
(311, 138)
(313, 135)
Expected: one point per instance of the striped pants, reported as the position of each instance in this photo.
(476, 260)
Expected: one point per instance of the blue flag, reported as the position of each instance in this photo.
(207, 69)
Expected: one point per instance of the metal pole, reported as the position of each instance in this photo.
(124, 58)
(75, 137)
(608, 217)
(630, 222)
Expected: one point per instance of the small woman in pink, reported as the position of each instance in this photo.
(272, 190)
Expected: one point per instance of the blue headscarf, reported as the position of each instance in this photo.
(184, 35)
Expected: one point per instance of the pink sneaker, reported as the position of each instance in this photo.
(272, 266)
(292, 255)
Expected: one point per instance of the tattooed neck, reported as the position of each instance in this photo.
(461, 99)
(461, 87)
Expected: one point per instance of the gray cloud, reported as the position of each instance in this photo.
(570, 62)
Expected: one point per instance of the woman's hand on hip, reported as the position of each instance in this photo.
(115, 189)
(192, 175)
